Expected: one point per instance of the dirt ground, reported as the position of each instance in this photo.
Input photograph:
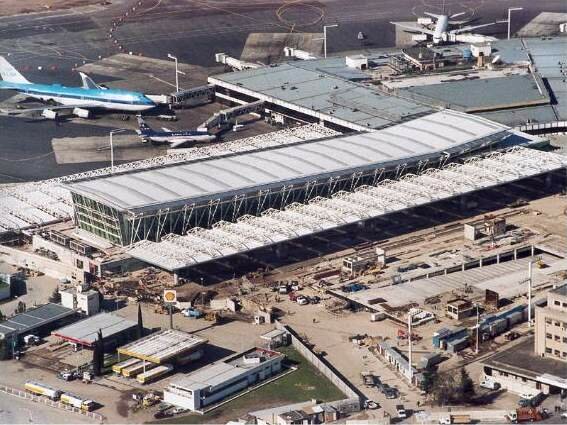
(16, 7)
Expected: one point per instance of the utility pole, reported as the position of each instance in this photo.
(170, 56)
(477, 328)
(530, 276)
(410, 318)
(510, 9)
(118, 130)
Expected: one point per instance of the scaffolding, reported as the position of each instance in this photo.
(296, 220)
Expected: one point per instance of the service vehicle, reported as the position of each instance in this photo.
(31, 340)
(489, 384)
(455, 419)
(524, 414)
(38, 388)
(78, 402)
(152, 375)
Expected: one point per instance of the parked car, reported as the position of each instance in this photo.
(511, 336)
(315, 299)
(391, 393)
(489, 384)
(367, 379)
(371, 405)
(401, 411)
(66, 375)
(302, 300)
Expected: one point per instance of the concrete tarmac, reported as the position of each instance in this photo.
(47, 47)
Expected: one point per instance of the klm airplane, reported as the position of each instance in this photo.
(78, 99)
(175, 138)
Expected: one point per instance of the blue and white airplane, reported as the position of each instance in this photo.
(79, 99)
(174, 137)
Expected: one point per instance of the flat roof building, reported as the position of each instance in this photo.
(551, 322)
(37, 321)
(167, 346)
(213, 383)
(115, 330)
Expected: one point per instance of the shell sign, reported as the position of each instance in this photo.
(169, 296)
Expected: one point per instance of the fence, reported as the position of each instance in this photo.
(354, 398)
(38, 399)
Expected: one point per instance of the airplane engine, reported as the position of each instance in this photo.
(81, 113)
(49, 114)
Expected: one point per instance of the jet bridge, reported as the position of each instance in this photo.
(222, 118)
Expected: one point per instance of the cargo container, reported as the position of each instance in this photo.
(498, 326)
(78, 402)
(119, 367)
(42, 389)
(152, 375)
(515, 318)
(132, 371)
(457, 345)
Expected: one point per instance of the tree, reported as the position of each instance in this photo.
(55, 296)
(140, 328)
(98, 355)
(465, 390)
(443, 389)
(428, 381)
(21, 308)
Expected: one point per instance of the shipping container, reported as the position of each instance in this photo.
(515, 318)
(458, 344)
(152, 375)
(78, 402)
(42, 389)
(140, 367)
(118, 367)
(498, 326)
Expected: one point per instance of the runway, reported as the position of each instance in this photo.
(47, 47)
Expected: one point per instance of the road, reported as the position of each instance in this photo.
(14, 410)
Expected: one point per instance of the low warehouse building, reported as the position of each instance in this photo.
(37, 321)
(115, 331)
(217, 381)
(167, 346)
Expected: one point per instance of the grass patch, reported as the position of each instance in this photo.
(302, 385)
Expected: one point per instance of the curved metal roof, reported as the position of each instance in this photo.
(226, 176)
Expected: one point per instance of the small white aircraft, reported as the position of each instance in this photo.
(439, 29)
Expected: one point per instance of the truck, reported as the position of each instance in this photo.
(119, 367)
(525, 414)
(78, 402)
(38, 388)
(455, 419)
(152, 375)
(140, 367)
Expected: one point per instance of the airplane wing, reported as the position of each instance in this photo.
(24, 111)
(471, 27)
(167, 130)
(414, 28)
(433, 15)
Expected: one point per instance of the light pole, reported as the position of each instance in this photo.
(170, 56)
(410, 320)
(530, 277)
(118, 130)
(477, 329)
(325, 37)
(510, 9)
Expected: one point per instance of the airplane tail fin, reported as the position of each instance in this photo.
(142, 124)
(10, 74)
(88, 82)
